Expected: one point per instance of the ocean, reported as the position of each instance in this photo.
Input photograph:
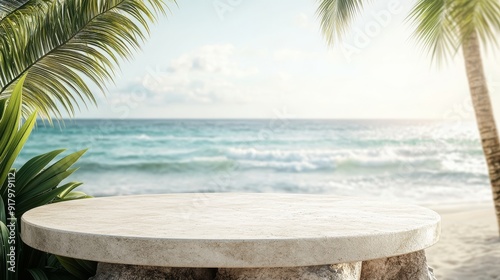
(412, 161)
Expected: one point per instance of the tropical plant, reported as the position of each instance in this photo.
(443, 27)
(36, 183)
(51, 52)
(65, 45)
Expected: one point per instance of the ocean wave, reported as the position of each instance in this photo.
(309, 160)
(143, 137)
(193, 165)
(292, 161)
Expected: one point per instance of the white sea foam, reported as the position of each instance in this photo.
(303, 160)
(143, 137)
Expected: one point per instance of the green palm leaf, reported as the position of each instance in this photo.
(478, 16)
(12, 140)
(38, 274)
(71, 40)
(69, 194)
(7, 7)
(15, 146)
(55, 173)
(337, 16)
(81, 269)
(3, 102)
(436, 28)
(10, 123)
(442, 26)
(32, 167)
(43, 197)
(4, 245)
(11, 10)
(3, 215)
(72, 195)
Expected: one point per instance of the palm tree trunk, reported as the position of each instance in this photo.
(484, 115)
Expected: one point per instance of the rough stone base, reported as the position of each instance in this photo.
(406, 267)
(350, 271)
(107, 271)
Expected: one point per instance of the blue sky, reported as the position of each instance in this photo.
(263, 59)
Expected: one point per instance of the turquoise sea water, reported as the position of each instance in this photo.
(416, 161)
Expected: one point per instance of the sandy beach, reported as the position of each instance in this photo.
(469, 247)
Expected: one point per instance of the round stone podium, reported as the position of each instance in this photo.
(237, 236)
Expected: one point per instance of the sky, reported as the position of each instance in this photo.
(268, 59)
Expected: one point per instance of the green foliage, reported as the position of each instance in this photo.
(79, 268)
(336, 17)
(441, 26)
(51, 52)
(64, 45)
(37, 182)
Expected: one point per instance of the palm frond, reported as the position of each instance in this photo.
(436, 28)
(480, 16)
(336, 17)
(73, 40)
(9, 6)
(442, 26)
(17, 11)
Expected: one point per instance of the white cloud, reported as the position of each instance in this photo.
(293, 54)
(302, 20)
(218, 59)
(209, 74)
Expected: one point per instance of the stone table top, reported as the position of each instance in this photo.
(229, 230)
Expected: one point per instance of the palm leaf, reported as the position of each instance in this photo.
(46, 194)
(436, 28)
(4, 245)
(12, 10)
(3, 102)
(60, 275)
(337, 16)
(9, 6)
(32, 167)
(60, 168)
(81, 269)
(68, 191)
(71, 40)
(72, 195)
(479, 16)
(3, 215)
(15, 147)
(10, 121)
(38, 274)
(442, 26)
(12, 140)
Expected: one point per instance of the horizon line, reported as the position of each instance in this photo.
(256, 119)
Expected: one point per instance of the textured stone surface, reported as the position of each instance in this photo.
(230, 230)
(350, 271)
(406, 267)
(107, 271)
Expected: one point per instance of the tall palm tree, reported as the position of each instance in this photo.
(443, 27)
(65, 45)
